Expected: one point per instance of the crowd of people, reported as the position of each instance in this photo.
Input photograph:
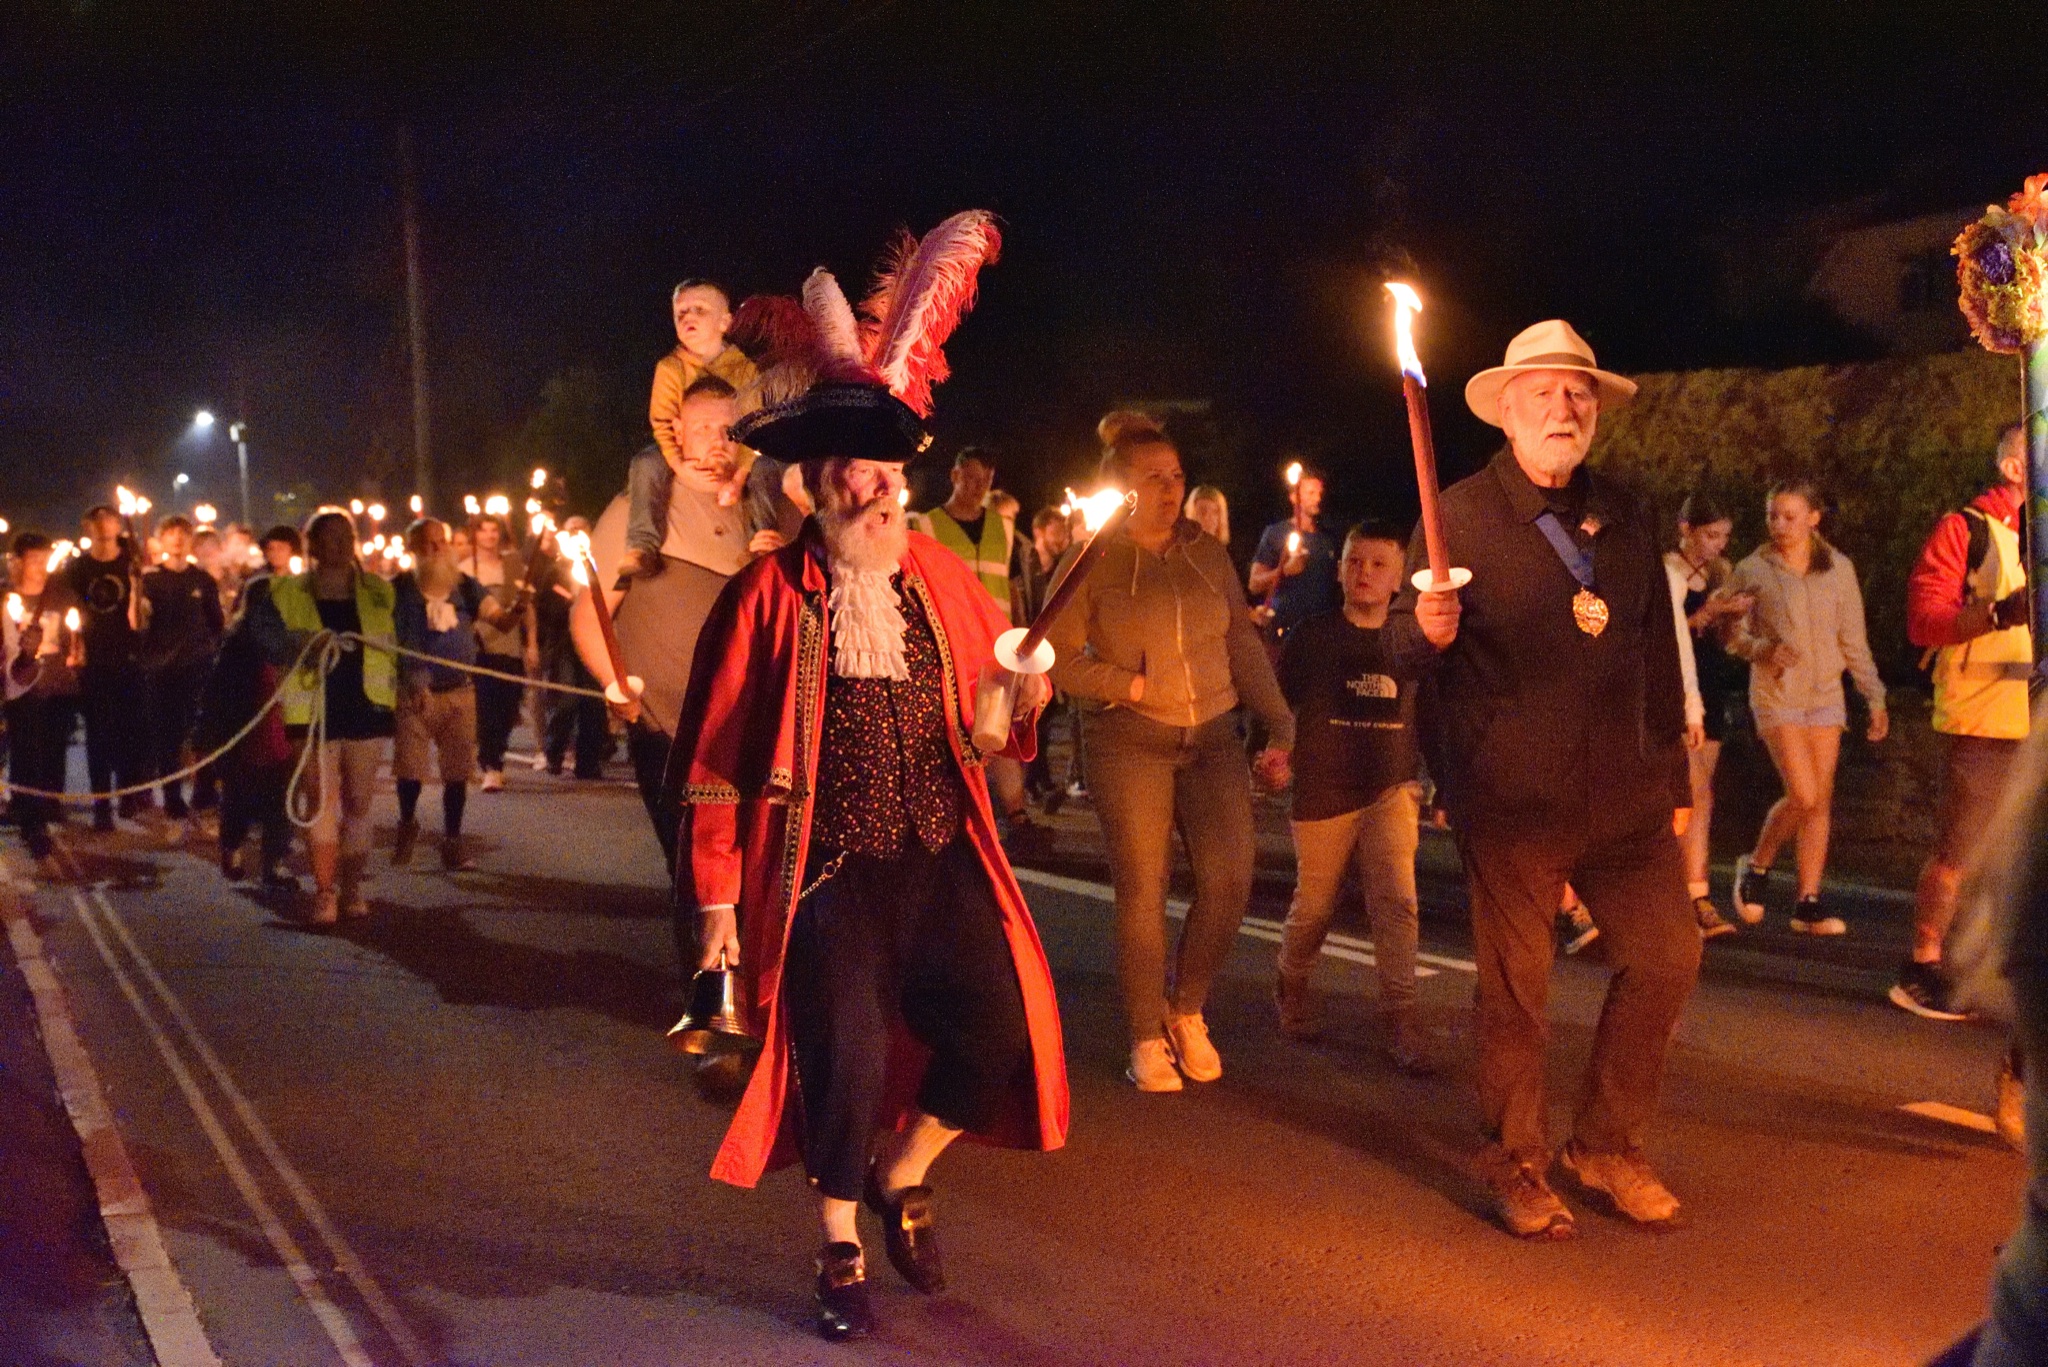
(168, 642)
(1562, 714)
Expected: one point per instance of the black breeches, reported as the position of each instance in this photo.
(917, 937)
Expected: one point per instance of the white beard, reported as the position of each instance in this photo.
(867, 625)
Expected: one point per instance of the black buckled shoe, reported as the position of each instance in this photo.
(843, 1309)
(908, 1235)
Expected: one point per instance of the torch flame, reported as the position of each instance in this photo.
(355, 507)
(15, 611)
(470, 505)
(532, 506)
(1407, 303)
(1293, 542)
(376, 511)
(540, 524)
(60, 551)
(298, 564)
(206, 514)
(71, 619)
(1096, 507)
(419, 505)
(540, 478)
(497, 505)
(1293, 473)
(576, 545)
(124, 499)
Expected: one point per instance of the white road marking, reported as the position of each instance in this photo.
(1337, 946)
(1951, 1115)
(345, 1259)
(162, 1302)
(324, 1310)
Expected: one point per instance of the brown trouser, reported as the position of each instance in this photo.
(1634, 886)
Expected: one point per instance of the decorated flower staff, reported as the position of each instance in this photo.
(1999, 946)
(1553, 716)
(838, 837)
(2002, 279)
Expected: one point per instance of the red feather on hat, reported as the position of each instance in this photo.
(924, 290)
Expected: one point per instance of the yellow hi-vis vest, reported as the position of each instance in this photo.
(1980, 686)
(376, 604)
(990, 561)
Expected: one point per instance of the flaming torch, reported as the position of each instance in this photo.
(1440, 576)
(1024, 650)
(624, 688)
(540, 478)
(418, 505)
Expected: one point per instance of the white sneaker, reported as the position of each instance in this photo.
(494, 781)
(1152, 1067)
(1198, 1058)
(540, 762)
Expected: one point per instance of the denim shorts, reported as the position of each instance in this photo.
(1834, 714)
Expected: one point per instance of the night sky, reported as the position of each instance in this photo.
(1198, 200)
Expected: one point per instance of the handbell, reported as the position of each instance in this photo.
(712, 1024)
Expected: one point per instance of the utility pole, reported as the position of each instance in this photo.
(416, 322)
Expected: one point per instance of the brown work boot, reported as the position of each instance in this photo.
(455, 856)
(1407, 1046)
(1623, 1178)
(1521, 1198)
(1300, 1008)
(2010, 1117)
(402, 842)
(354, 902)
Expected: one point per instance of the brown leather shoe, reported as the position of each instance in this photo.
(1522, 1199)
(1623, 1178)
(843, 1309)
(907, 1233)
(1300, 1008)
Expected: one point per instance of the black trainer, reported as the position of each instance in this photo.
(1747, 895)
(1924, 990)
(1810, 916)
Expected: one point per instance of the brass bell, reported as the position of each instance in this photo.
(712, 1024)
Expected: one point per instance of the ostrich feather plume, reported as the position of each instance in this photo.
(839, 353)
(924, 290)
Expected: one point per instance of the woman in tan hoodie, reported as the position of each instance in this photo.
(1805, 628)
(1156, 651)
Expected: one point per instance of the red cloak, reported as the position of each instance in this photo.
(746, 758)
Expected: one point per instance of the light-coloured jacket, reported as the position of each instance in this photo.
(1180, 620)
(1820, 615)
(1676, 573)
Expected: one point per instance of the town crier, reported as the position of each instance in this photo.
(842, 850)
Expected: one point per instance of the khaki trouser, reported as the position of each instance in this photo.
(341, 786)
(1378, 840)
(435, 726)
(1634, 886)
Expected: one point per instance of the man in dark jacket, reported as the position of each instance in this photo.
(1553, 719)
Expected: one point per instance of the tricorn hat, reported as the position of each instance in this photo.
(861, 387)
(1550, 345)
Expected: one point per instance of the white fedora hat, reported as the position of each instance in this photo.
(1552, 344)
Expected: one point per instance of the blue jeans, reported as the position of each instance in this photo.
(647, 484)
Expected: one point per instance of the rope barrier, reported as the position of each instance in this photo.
(327, 647)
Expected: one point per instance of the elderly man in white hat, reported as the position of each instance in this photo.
(1552, 714)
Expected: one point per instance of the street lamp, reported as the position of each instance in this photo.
(203, 419)
(238, 433)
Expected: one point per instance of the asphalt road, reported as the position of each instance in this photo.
(452, 1133)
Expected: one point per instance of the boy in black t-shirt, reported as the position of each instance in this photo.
(1356, 795)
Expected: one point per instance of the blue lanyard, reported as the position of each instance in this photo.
(1579, 562)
